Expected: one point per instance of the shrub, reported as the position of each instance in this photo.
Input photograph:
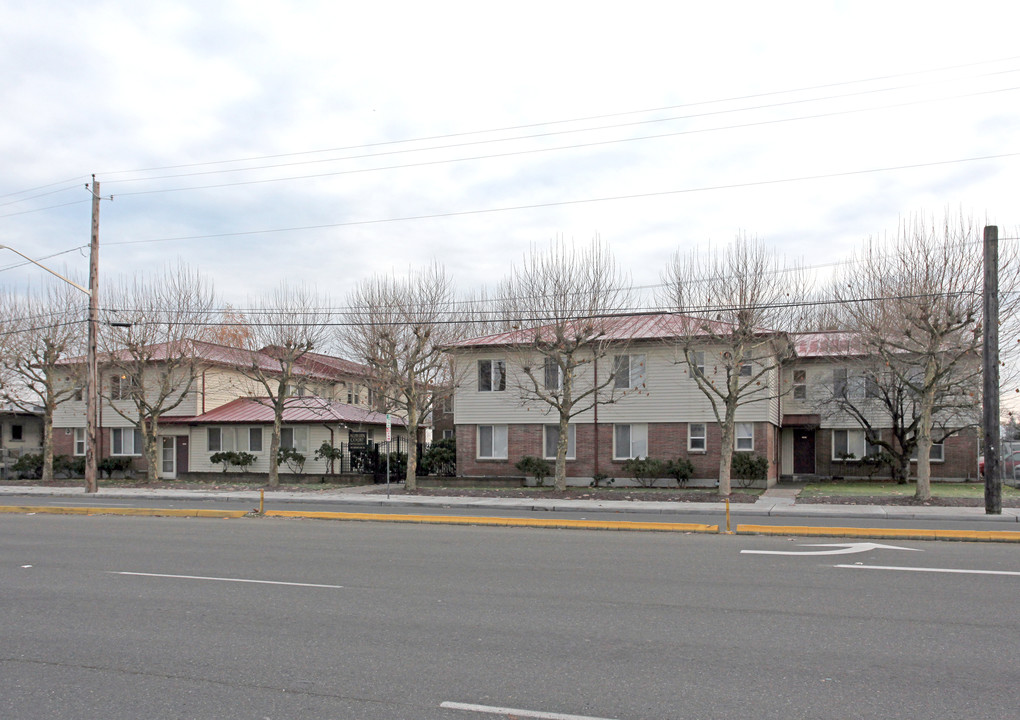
(599, 478)
(645, 470)
(440, 458)
(539, 468)
(29, 465)
(680, 470)
(749, 467)
(111, 465)
(291, 458)
(230, 458)
(330, 454)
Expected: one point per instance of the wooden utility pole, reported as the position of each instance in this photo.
(91, 359)
(993, 477)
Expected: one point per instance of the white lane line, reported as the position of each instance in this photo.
(223, 579)
(515, 712)
(933, 570)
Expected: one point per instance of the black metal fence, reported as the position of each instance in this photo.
(370, 459)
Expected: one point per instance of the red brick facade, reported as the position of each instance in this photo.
(63, 444)
(666, 441)
(959, 453)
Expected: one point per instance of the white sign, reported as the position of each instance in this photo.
(388, 438)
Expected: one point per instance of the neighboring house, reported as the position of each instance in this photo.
(246, 424)
(21, 432)
(818, 437)
(659, 412)
(218, 382)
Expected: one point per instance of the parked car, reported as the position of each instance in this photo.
(1009, 464)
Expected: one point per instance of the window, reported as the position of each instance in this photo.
(17, 432)
(745, 370)
(295, 438)
(448, 434)
(937, 453)
(628, 371)
(448, 404)
(125, 441)
(698, 366)
(852, 442)
(553, 375)
(696, 440)
(839, 382)
(552, 439)
(745, 437)
(296, 390)
(255, 439)
(492, 441)
(121, 387)
(871, 388)
(79, 441)
(219, 439)
(630, 441)
(351, 394)
(800, 384)
(491, 375)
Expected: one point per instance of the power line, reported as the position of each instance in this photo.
(562, 203)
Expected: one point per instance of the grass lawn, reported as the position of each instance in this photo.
(839, 488)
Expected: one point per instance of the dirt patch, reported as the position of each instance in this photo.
(899, 500)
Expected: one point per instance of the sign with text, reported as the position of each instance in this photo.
(357, 440)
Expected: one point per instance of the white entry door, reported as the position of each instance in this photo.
(168, 458)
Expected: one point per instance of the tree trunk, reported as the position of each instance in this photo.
(923, 489)
(726, 455)
(411, 478)
(562, 445)
(149, 432)
(274, 447)
(47, 468)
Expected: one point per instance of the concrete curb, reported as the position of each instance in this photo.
(558, 523)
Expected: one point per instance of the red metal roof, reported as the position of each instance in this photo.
(297, 410)
(826, 344)
(652, 326)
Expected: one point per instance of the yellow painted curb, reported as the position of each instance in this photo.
(502, 522)
(901, 533)
(143, 512)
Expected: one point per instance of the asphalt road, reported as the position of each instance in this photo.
(121, 617)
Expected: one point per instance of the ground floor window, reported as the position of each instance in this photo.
(294, 438)
(852, 445)
(630, 441)
(229, 438)
(696, 438)
(126, 441)
(937, 454)
(552, 439)
(745, 437)
(79, 441)
(492, 441)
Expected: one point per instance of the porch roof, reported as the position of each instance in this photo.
(297, 410)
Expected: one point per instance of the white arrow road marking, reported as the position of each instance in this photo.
(224, 579)
(934, 570)
(835, 549)
(514, 712)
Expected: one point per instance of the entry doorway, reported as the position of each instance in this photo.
(168, 457)
(803, 452)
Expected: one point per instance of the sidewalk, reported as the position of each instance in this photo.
(775, 502)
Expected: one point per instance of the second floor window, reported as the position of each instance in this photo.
(800, 385)
(121, 387)
(491, 375)
(628, 371)
(553, 375)
(697, 362)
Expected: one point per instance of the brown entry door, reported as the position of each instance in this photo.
(182, 454)
(803, 452)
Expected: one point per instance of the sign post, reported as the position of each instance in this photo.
(388, 436)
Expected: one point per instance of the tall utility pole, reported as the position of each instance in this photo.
(91, 359)
(990, 379)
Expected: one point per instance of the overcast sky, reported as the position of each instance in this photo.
(327, 141)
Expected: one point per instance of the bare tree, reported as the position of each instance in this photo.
(400, 328)
(915, 302)
(569, 299)
(282, 327)
(147, 343)
(41, 329)
(731, 306)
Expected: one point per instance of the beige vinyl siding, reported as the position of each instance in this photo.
(669, 395)
(223, 385)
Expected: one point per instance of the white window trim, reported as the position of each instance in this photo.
(262, 438)
(500, 442)
(698, 369)
(554, 431)
(495, 379)
(79, 439)
(738, 436)
(136, 440)
(299, 438)
(802, 385)
(638, 441)
(691, 437)
(636, 376)
(940, 459)
(857, 443)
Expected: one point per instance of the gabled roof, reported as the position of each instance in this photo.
(297, 410)
(310, 365)
(622, 328)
